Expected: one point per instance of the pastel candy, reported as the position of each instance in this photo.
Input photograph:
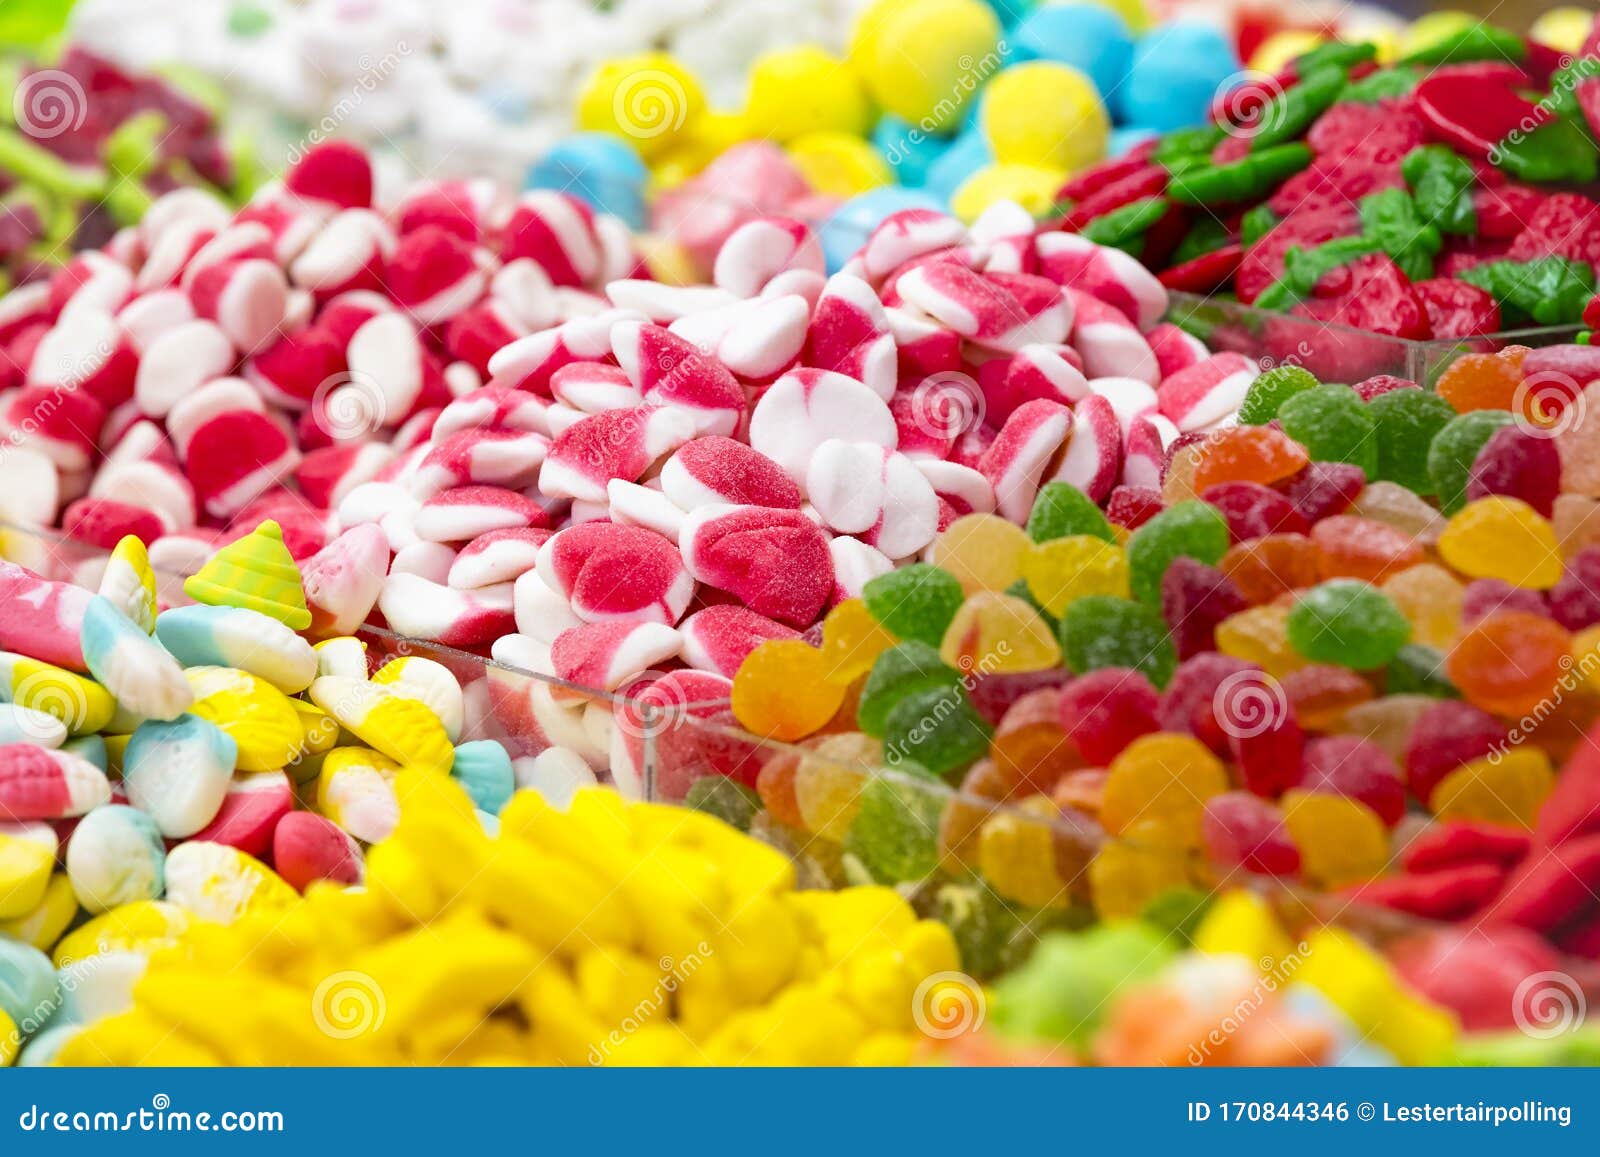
(484, 768)
(617, 572)
(403, 728)
(27, 857)
(431, 684)
(222, 884)
(42, 618)
(804, 408)
(255, 572)
(137, 670)
(345, 656)
(356, 791)
(129, 584)
(775, 561)
(116, 856)
(142, 926)
(307, 847)
(83, 705)
(38, 784)
(259, 718)
(718, 469)
(28, 725)
(424, 609)
(178, 773)
(499, 556)
(614, 444)
(27, 983)
(201, 636)
(250, 812)
(91, 990)
(718, 638)
(607, 655)
(342, 581)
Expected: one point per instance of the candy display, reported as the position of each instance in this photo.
(87, 149)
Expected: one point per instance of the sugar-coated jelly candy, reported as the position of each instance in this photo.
(1253, 510)
(1324, 489)
(1520, 462)
(1016, 856)
(1270, 390)
(1194, 599)
(1347, 622)
(1061, 509)
(1348, 766)
(1393, 505)
(1264, 568)
(1448, 735)
(938, 730)
(1341, 840)
(1455, 448)
(1126, 877)
(1101, 631)
(1359, 548)
(1579, 444)
(1321, 693)
(1261, 454)
(1241, 830)
(1190, 529)
(1063, 569)
(1430, 598)
(828, 782)
(1510, 662)
(1031, 743)
(852, 640)
(1333, 424)
(1260, 636)
(782, 690)
(1504, 787)
(983, 551)
(1482, 381)
(1105, 710)
(994, 633)
(902, 670)
(1503, 538)
(1158, 787)
(914, 602)
(1405, 422)
(895, 828)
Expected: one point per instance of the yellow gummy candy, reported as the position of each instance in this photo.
(27, 856)
(1260, 635)
(1125, 878)
(256, 572)
(82, 704)
(1341, 840)
(130, 584)
(1016, 856)
(1241, 923)
(1160, 783)
(220, 883)
(1361, 984)
(261, 719)
(402, 728)
(44, 924)
(1503, 789)
(983, 551)
(852, 640)
(1063, 570)
(647, 99)
(1504, 538)
(142, 926)
(992, 634)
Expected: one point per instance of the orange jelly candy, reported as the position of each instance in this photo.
(1264, 568)
(1030, 744)
(1320, 694)
(1248, 454)
(1362, 548)
(1483, 381)
(1510, 662)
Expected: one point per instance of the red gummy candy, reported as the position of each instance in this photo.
(1262, 263)
(1194, 599)
(1457, 309)
(1489, 596)
(1245, 831)
(1130, 507)
(1372, 387)
(1358, 769)
(1254, 510)
(1203, 274)
(1189, 703)
(1324, 488)
(1105, 710)
(1447, 735)
(1520, 462)
(1455, 842)
(1448, 894)
(1473, 107)
(1575, 599)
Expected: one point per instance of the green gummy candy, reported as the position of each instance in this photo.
(1271, 390)
(938, 729)
(1192, 529)
(1333, 424)
(1062, 510)
(1419, 670)
(1453, 450)
(1385, 84)
(906, 669)
(1407, 422)
(727, 799)
(895, 832)
(1392, 219)
(1348, 623)
(1477, 41)
(1125, 223)
(1547, 290)
(1104, 631)
(915, 602)
(1063, 992)
(1256, 224)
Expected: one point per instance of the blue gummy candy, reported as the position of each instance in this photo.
(1176, 72)
(600, 170)
(1089, 37)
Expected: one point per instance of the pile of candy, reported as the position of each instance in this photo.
(88, 147)
(608, 934)
(201, 763)
(1424, 199)
(1356, 602)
